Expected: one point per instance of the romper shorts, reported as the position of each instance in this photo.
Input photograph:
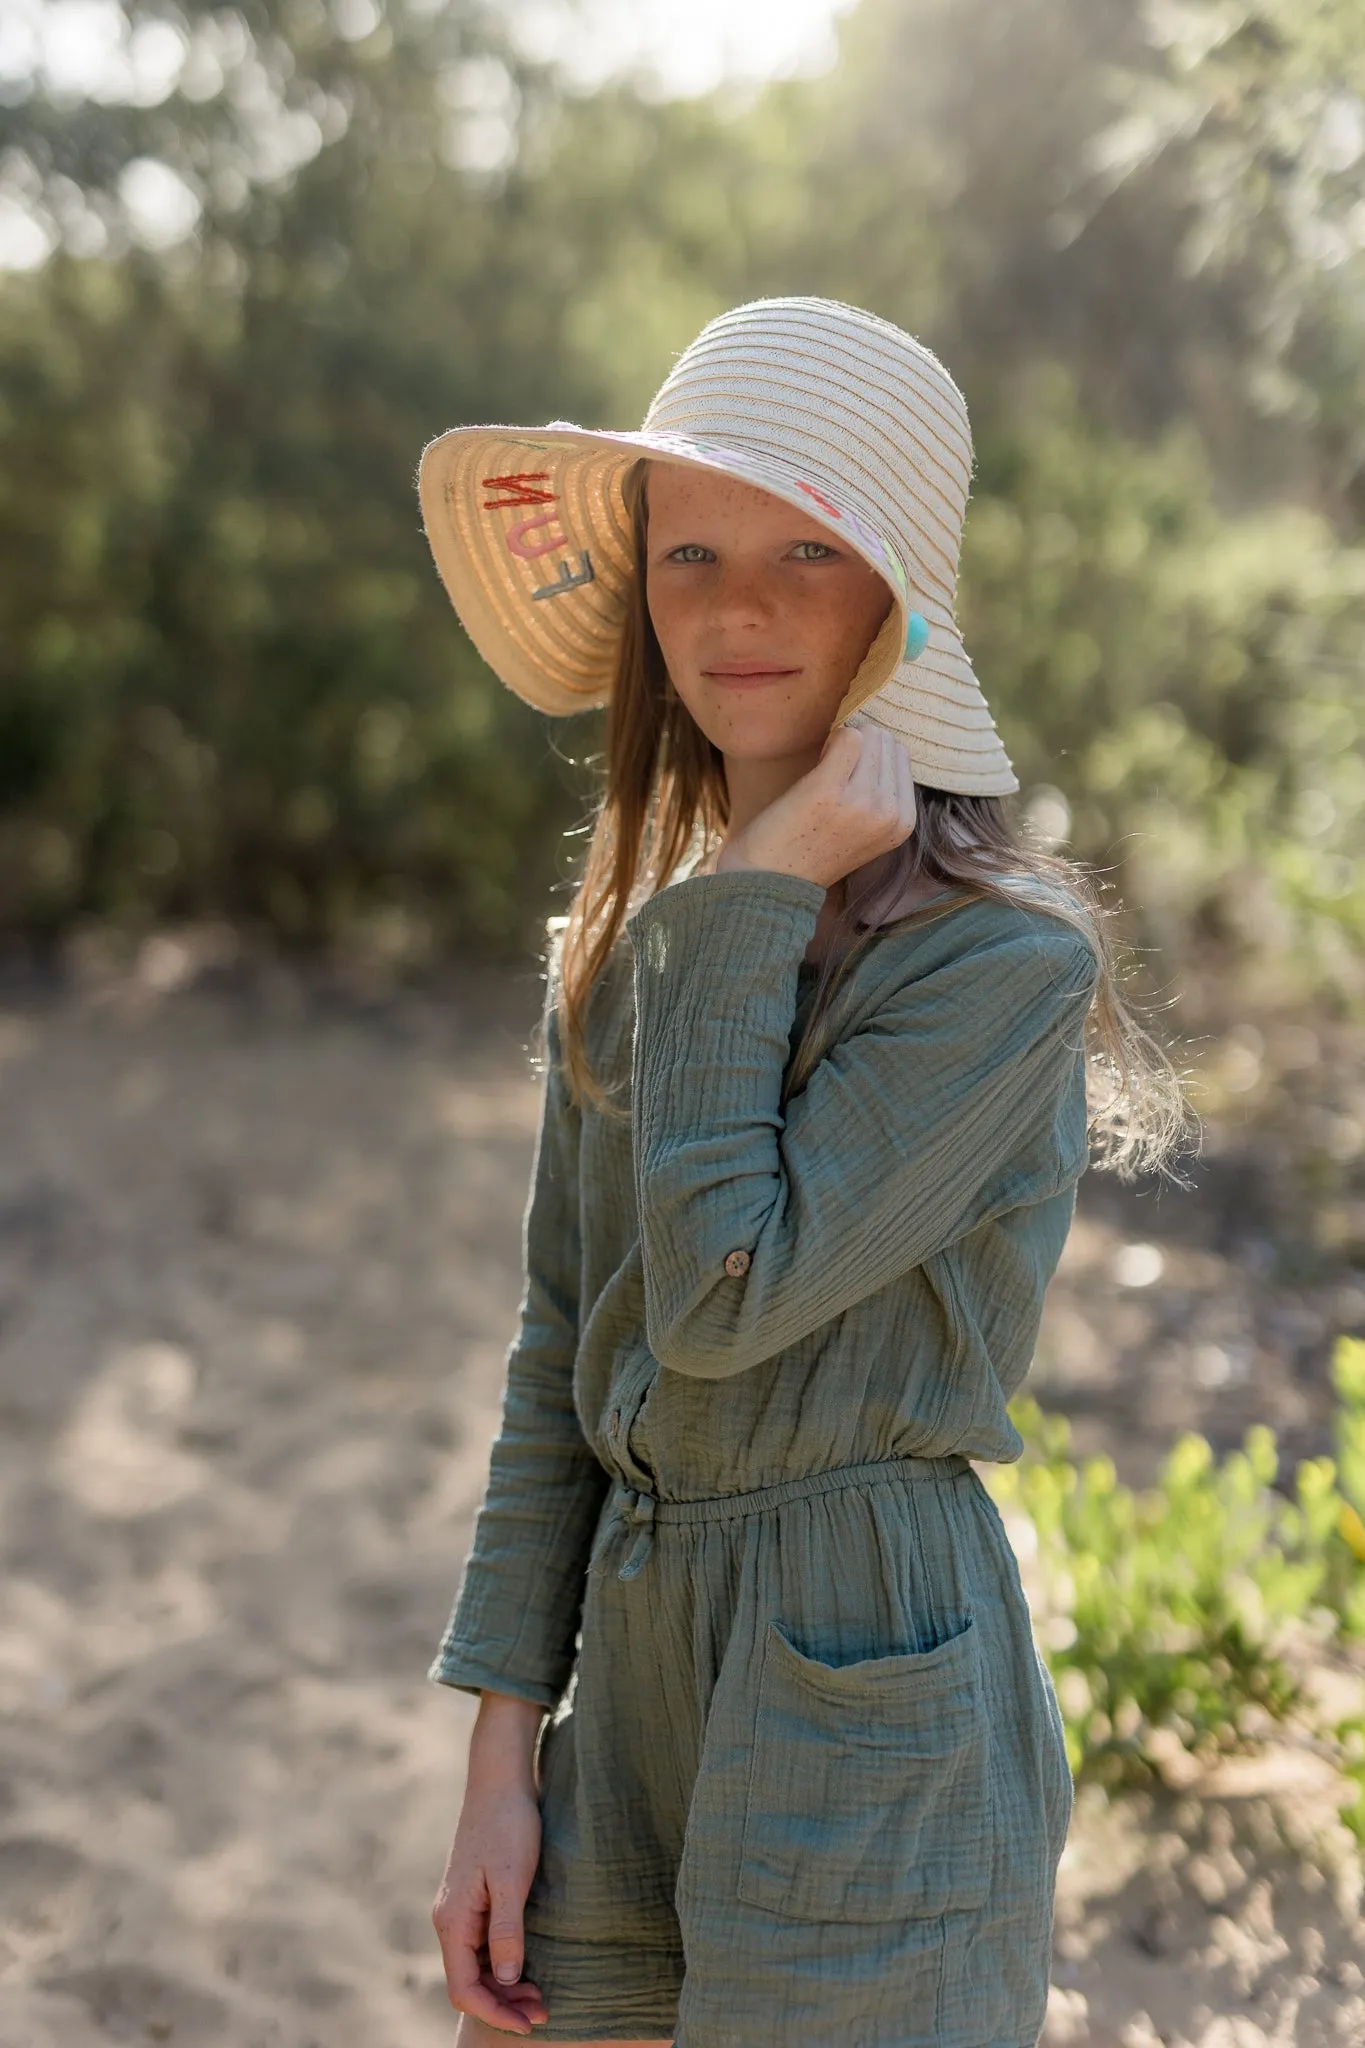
(808, 1786)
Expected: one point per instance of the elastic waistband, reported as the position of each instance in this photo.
(634, 1508)
(720, 1507)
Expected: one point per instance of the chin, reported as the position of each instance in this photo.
(764, 732)
(767, 744)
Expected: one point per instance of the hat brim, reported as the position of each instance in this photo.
(531, 537)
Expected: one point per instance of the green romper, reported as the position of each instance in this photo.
(807, 1787)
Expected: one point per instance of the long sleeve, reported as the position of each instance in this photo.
(944, 1108)
(520, 1599)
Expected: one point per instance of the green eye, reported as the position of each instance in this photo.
(690, 551)
(822, 552)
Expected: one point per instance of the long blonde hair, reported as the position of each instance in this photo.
(665, 799)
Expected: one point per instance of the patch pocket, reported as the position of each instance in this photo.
(869, 1789)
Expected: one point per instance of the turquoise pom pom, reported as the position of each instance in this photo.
(916, 636)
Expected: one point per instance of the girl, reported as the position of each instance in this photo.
(814, 1112)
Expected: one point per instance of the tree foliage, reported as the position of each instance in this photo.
(229, 680)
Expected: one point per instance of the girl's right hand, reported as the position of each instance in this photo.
(856, 804)
(478, 1909)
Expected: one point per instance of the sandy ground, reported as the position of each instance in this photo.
(259, 1262)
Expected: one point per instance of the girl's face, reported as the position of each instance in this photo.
(763, 614)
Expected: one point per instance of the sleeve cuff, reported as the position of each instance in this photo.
(731, 910)
(462, 1675)
(716, 961)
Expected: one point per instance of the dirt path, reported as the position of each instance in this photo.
(259, 1262)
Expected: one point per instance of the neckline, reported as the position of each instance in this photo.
(897, 925)
(949, 889)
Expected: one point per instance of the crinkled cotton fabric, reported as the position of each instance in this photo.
(804, 1779)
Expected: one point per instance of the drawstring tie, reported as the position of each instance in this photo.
(635, 1510)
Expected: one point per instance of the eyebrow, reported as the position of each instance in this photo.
(695, 540)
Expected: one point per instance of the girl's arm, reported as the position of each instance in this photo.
(957, 1099)
(479, 1908)
(517, 1613)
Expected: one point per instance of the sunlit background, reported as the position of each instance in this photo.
(255, 258)
(73, 51)
(276, 853)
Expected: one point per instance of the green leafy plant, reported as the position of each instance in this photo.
(1195, 1607)
(1347, 1560)
(1350, 1735)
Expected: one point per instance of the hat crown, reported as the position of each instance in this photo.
(828, 407)
(852, 403)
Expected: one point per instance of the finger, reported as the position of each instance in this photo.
(514, 2003)
(905, 790)
(459, 1923)
(506, 1950)
(843, 749)
(877, 792)
(888, 785)
(470, 1988)
(524, 1997)
(460, 1933)
(865, 774)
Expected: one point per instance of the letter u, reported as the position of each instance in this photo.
(517, 542)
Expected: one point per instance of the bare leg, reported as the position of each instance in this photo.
(474, 2034)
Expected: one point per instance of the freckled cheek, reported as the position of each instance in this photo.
(674, 623)
(830, 637)
(851, 632)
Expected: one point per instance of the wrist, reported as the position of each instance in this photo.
(731, 860)
(502, 1743)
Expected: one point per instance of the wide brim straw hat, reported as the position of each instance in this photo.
(827, 407)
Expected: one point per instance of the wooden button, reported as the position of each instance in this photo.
(737, 1264)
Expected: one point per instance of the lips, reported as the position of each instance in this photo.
(748, 672)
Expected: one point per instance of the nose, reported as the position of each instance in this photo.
(743, 596)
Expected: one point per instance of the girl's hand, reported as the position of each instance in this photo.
(856, 803)
(478, 1909)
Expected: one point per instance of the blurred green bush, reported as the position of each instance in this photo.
(1198, 1608)
(230, 683)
